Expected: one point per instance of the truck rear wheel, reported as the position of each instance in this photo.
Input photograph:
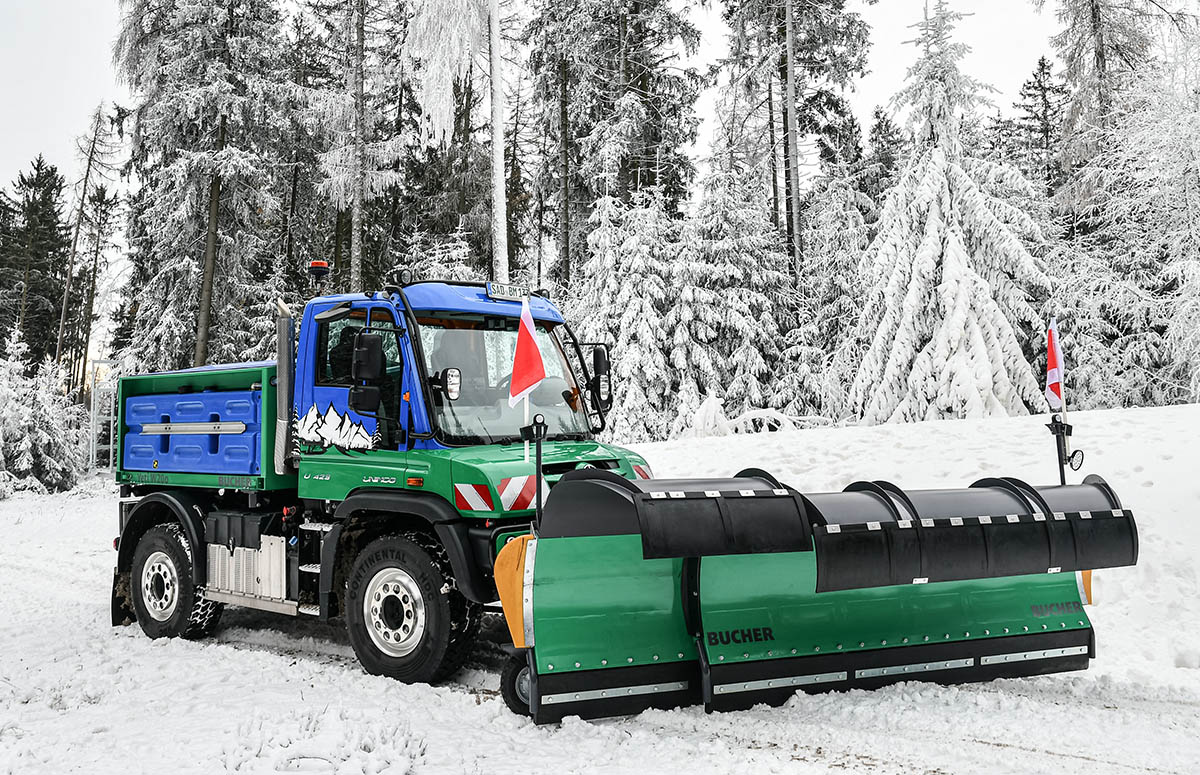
(404, 616)
(167, 603)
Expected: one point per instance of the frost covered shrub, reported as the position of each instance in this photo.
(42, 431)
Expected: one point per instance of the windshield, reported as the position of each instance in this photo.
(482, 348)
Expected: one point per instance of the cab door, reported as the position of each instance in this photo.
(325, 419)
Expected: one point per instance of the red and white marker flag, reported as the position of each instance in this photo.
(528, 371)
(1055, 370)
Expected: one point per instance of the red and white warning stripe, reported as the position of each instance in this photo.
(518, 492)
(643, 472)
(472, 497)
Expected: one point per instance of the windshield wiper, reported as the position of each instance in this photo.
(505, 440)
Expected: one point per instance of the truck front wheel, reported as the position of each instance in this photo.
(404, 616)
(167, 603)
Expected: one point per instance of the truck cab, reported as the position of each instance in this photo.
(392, 471)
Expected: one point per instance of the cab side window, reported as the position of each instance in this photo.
(335, 349)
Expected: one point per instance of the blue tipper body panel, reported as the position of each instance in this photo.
(209, 453)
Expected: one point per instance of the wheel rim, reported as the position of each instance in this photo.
(160, 586)
(521, 684)
(394, 611)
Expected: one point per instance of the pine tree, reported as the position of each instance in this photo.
(207, 82)
(611, 92)
(100, 220)
(16, 396)
(949, 276)
(1148, 202)
(836, 236)
(885, 150)
(35, 267)
(594, 303)
(641, 394)
(55, 427)
(1039, 125)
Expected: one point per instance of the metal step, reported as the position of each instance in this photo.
(310, 608)
(322, 527)
(314, 567)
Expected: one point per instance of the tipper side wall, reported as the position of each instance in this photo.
(211, 427)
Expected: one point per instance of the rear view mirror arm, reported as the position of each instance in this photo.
(587, 377)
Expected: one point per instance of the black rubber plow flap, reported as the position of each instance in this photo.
(999, 527)
(722, 522)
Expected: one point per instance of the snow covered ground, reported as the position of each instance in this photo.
(272, 695)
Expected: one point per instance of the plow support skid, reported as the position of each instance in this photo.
(731, 592)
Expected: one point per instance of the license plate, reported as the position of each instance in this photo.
(502, 292)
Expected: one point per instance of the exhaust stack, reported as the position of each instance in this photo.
(285, 348)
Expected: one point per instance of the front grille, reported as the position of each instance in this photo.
(558, 469)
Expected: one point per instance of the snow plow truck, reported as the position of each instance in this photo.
(375, 472)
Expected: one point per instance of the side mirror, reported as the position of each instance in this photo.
(367, 365)
(451, 380)
(364, 399)
(601, 378)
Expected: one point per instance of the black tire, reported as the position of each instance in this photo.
(389, 571)
(189, 614)
(514, 684)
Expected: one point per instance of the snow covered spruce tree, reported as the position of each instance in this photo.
(621, 299)
(41, 437)
(825, 341)
(948, 291)
(1148, 197)
(641, 390)
(207, 79)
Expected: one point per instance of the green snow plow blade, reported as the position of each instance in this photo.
(732, 592)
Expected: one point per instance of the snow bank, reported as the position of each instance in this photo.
(270, 695)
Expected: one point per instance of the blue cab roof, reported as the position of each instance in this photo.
(451, 297)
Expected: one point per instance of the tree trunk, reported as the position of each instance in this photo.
(87, 177)
(89, 307)
(564, 174)
(360, 148)
(774, 157)
(794, 162)
(499, 191)
(1103, 96)
(785, 115)
(339, 226)
(210, 259)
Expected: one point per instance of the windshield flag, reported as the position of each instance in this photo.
(1055, 371)
(528, 371)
